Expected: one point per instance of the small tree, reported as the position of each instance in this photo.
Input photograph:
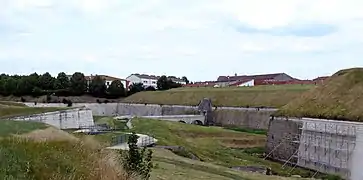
(185, 79)
(137, 161)
(97, 87)
(150, 88)
(135, 88)
(116, 89)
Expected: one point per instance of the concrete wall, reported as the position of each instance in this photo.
(67, 119)
(324, 145)
(243, 117)
(225, 116)
(189, 119)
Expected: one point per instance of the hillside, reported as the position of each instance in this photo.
(340, 97)
(31, 150)
(258, 96)
(217, 148)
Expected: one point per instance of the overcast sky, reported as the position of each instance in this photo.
(200, 39)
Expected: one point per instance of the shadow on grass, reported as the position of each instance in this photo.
(251, 131)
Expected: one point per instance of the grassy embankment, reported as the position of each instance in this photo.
(218, 148)
(340, 97)
(258, 96)
(36, 151)
(10, 109)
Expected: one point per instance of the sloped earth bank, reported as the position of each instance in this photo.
(54, 154)
(215, 145)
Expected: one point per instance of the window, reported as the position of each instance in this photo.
(154, 82)
(145, 81)
(108, 83)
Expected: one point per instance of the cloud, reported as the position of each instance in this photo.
(197, 38)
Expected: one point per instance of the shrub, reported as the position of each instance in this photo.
(65, 101)
(98, 101)
(106, 101)
(22, 99)
(49, 98)
(69, 103)
(137, 160)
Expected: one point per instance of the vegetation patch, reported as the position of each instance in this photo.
(11, 103)
(23, 159)
(11, 111)
(212, 144)
(258, 96)
(340, 98)
(8, 127)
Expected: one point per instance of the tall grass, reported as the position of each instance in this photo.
(58, 160)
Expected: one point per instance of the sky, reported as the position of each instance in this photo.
(200, 39)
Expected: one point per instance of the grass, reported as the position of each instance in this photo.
(213, 144)
(258, 96)
(28, 151)
(8, 127)
(11, 103)
(13, 111)
(183, 168)
(340, 97)
(110, 121)
(58, 160)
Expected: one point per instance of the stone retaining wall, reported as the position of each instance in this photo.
(326, 146)
(254, 118)
(66, 119)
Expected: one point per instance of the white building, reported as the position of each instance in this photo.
(250, 82)
(149, 80)
(108, 80)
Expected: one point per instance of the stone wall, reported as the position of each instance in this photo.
(66, 119)
(243, 117)
(282, 139)
(254, 118)
(327, 146)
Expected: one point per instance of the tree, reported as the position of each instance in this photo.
(24, 86)
(150, 88)
(10, 85)
(46, 81)
(97, 87)
(135, 88)
(136, 160)
(116, 89)
(78, 84)
(185, 79)
(163, 83)
(62, 81)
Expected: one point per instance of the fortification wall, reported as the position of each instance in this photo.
(244, 117)
(66, 119)
(324, 145)
(254, 118)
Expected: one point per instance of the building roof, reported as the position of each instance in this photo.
(105, 77)
(249, 77)
(153, 77)
(145, 76)
(240, 82)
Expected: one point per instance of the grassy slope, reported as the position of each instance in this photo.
(13, 111)
(23, 159)
(341, 97)
(8, 128)
(179, 168)
(212, 144)
(270, 96)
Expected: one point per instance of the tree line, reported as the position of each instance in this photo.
(76, 85)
